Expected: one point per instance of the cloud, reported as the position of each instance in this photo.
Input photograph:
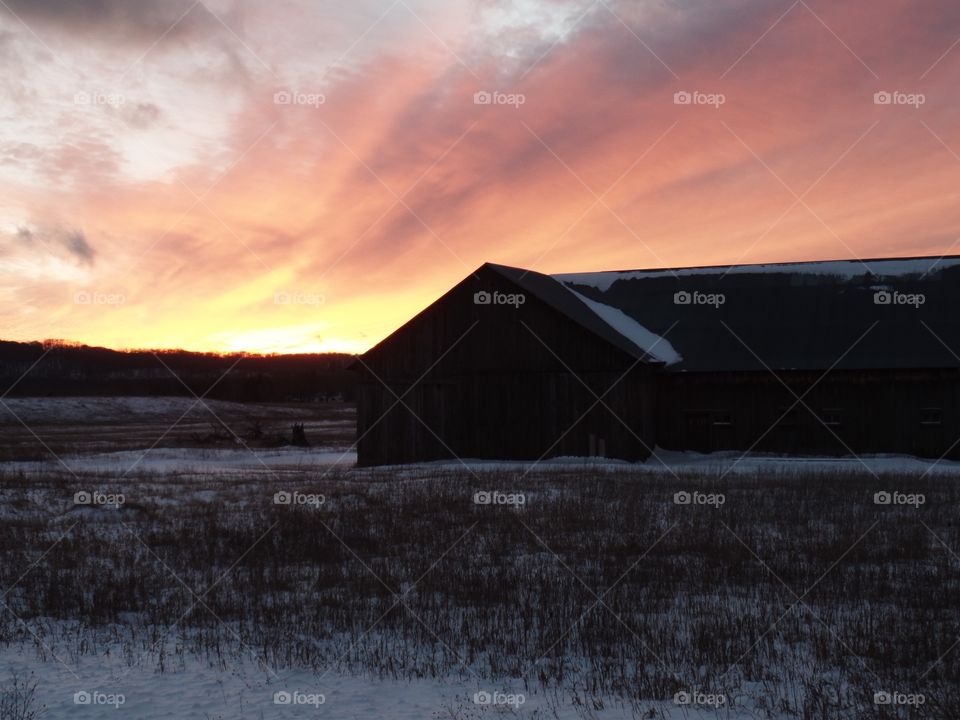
(78, 159)
(76, 243)
(71, 240)
(142, 115)
(310, 193)
(6, 44)
(126, 21)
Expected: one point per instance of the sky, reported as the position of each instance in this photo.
(304, 176)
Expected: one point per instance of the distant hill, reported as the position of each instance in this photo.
(55, 367)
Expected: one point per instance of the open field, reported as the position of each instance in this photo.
(36, 428)
(779, 589)
(590, 590)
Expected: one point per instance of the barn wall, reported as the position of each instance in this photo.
(549, 414)
(489, 381)
(504, 381)
(876, 411)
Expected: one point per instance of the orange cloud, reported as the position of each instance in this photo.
(382, 182)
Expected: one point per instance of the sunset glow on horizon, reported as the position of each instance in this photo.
(304, 177)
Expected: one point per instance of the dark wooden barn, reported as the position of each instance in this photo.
(838, 358)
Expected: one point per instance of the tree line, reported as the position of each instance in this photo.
(57, 368)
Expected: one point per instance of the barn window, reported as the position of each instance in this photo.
(931, 416)
(832, 417)
(722, 418)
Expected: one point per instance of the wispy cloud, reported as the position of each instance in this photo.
(72, 241)
(378, 177)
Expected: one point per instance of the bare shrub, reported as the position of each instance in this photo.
(18, 699)
(797, 596)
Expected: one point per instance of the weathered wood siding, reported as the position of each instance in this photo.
(869, 411)
(522, 382)
(498, 381)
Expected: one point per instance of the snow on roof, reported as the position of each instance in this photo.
(650, 343)
(897, 267)
(791, 316)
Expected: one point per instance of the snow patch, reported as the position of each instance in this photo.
(203, 461)
(649, 342)
(666, 463)
(198, 689)
(839, 268)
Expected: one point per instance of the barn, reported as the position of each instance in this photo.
(837, 357)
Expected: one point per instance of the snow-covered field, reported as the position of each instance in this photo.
(590, 592)
(218, 461)
(45, 410)
(719, 464)
(37, 428)
(246, 690)
(199, 461)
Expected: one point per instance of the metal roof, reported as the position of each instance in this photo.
(895, 313)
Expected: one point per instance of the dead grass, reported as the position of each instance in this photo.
(798, 595)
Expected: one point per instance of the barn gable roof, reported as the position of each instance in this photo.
(624, 332)
(890, 313)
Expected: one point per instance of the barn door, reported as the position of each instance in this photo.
(698, 430)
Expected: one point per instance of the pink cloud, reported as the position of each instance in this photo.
(312, 197)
